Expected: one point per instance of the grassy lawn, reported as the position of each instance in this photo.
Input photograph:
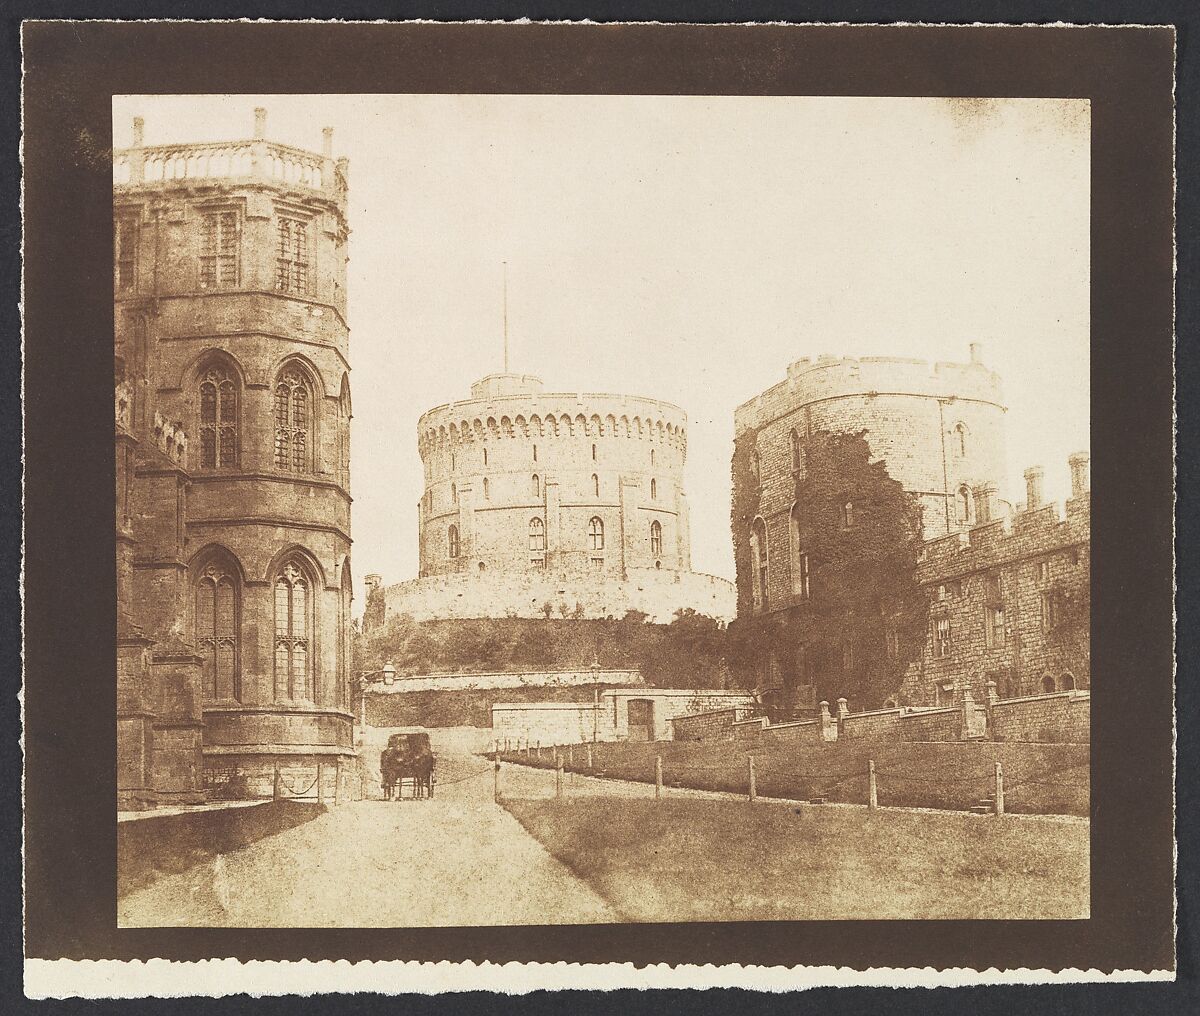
(705, 860)
(1038, 778)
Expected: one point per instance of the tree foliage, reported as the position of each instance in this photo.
(687, 653)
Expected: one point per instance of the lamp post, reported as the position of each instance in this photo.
(365, 682)
(595, 697)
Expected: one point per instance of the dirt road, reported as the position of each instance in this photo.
(458, 859)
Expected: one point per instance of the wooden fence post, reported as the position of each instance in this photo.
(571, 755)
(320, 789)
(872, 794)
(658, 777)
(999, 789)
(753, 785)
(558, 778)
(277, 785)
(496, 783)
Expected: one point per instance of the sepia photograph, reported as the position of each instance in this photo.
(595, 506)
(718, 469)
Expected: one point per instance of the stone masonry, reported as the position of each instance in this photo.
(539, 501)
(1008, 599)
(232, 435)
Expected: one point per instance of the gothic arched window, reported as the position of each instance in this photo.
(452, 541)
(653, 490)
(960, 440)
(486, 492)
(595, 485)
(799, 562)
(596, 533)
(293, 422)
(293, 627)
(797, 452)
(758, 555)
(964, 504)
(656, 538)
(218, 419)
(344, 413)
(217, 641)
(537, 535)
(537, 486)
(756, 466)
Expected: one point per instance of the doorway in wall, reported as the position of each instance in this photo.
(641, 719)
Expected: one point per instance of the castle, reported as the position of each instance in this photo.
(1002, 582)
(552, 504)
(232, 451)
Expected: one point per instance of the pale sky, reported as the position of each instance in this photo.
(686, 249)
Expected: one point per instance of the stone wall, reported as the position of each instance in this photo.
(1060, 718)
(541, 679)
(1035, 570)
(621, 714)
(1065, 717)
(714, 725)
(657, 593)
(749, 729)
(152, 846)
(800, 732)
(932, 725)
(875, 725)
(547, 723)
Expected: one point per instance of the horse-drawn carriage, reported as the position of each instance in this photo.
(408, 758)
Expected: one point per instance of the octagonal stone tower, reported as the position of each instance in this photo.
(230, 305)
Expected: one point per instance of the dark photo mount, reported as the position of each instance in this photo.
(73, 70)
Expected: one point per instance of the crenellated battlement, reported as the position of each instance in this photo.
(1033, 528)
(811, 381)
(529, 415)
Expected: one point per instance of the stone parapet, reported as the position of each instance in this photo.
(659, 594)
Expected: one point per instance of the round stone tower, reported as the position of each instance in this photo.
(554, 502)
(576, 484)
(939, 428)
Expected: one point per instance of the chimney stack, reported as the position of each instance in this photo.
(1033, 487)
(977, 352)
(1079, 473)
(260, 123)
(327, 147)
(985, 496)
(139, 130)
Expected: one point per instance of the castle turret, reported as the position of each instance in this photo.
(230, 306)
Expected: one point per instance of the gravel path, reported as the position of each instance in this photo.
(456, 860)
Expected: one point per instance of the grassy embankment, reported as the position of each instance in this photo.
(1038, 778)
(705, 860)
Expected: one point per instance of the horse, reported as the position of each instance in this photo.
(397, 764)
